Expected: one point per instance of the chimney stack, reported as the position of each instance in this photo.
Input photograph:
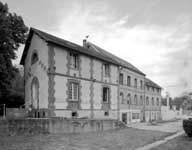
(85, 43)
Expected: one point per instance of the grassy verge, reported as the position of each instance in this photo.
(180, 143)
(124, 139)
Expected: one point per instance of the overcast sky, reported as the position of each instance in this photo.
(153, 35)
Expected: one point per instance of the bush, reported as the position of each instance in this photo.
(187, 126)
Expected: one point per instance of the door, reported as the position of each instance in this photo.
(35, 93)
(124, 118)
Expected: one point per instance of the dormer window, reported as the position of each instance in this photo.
(34, 58)
(74, 61)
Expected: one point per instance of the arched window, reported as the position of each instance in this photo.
(141, 100)
(152, 101)
(122, 98)
(135, 99)
(129, 99)
(147, 100)
(34, 58)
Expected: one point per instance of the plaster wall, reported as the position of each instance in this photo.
(60, 60)
(60, 92)
(39, 70)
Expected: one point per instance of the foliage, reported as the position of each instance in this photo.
(13, 32)
(187, 126)
(183, 102)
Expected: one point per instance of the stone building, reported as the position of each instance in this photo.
(64, 79)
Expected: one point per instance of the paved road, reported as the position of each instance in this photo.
(170, 127)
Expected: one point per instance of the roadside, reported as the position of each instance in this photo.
(182, 142)
(169, 127)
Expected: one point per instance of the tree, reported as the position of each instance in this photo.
(13, 32)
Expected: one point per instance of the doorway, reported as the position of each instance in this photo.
(124, 118)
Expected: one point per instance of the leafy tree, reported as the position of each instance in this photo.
(13, 32)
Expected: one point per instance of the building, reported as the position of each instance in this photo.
(67, 80)
(152, 101)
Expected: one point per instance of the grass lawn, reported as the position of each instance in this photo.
(180, 143)
(124, 139)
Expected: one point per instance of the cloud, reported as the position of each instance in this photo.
(154, 36)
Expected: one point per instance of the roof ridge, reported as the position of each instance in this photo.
(119, 60)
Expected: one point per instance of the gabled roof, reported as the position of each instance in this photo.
(93, 50)
(149, 82)
(113, 57)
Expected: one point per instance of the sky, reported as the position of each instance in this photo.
(153, 35)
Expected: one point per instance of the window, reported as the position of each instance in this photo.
(74, 114)
(121, 78)
(129, 99)
(141, 100)
(106, 94)
(147, 88)
(141, 84)
(135, 115)
(106, 113)
(121, 98)
(34, 58)
(147, 100)
(152, 101)
(106, 70)
(135, 83)
(153, 89)
(135, 99)
(128, 81)
(73, 91)
(74, 61)
(157, 101)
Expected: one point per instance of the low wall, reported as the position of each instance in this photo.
(16, 113)
(57, 125)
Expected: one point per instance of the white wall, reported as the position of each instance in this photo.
(39, 70)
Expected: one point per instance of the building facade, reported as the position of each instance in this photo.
(68, 80)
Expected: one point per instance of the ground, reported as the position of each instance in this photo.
(124, 139)
(136, 136)
(180, 143)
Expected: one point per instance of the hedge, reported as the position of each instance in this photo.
(187, 126)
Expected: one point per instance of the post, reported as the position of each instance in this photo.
(4, 111)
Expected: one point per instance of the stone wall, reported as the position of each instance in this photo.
(56, 126)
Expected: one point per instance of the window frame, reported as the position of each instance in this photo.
(135, 100)
(72, 96)
(135, 83)
(147, 100)
(129, 81)
(108, 95)
(74, 60)
(121, 78)
(106, 69)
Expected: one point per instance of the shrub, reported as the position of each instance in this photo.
(187, 126)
